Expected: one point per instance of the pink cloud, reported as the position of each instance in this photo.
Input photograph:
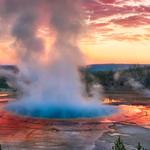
(99, 10)
(132, 21)
(104, 13)
(108, 1)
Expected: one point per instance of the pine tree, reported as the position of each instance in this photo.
(139, 147)
(118, 145)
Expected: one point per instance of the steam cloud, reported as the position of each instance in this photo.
(136, 85)
(55, 89)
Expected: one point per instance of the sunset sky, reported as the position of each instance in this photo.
(117, 31)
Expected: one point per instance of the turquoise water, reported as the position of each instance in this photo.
(62, 111)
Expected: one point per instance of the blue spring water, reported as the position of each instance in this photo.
(61, 111)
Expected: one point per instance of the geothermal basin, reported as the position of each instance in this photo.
(19, 132)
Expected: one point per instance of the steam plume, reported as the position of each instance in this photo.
(136, 85)
(55, 89)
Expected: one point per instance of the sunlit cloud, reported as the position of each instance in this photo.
(107, 22)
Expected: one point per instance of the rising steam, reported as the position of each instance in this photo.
(54, 89)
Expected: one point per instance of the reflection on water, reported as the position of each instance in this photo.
(111, 101)
(131, 114)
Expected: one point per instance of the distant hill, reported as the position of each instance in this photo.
(111, 67)
(11, 68)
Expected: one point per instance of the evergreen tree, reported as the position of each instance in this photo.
(118, 145)
(139, 147)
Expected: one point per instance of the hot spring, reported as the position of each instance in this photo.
(49, 78)
(61, 110)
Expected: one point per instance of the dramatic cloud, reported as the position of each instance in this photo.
(108, 21)
(118, 14)
(132, 21)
